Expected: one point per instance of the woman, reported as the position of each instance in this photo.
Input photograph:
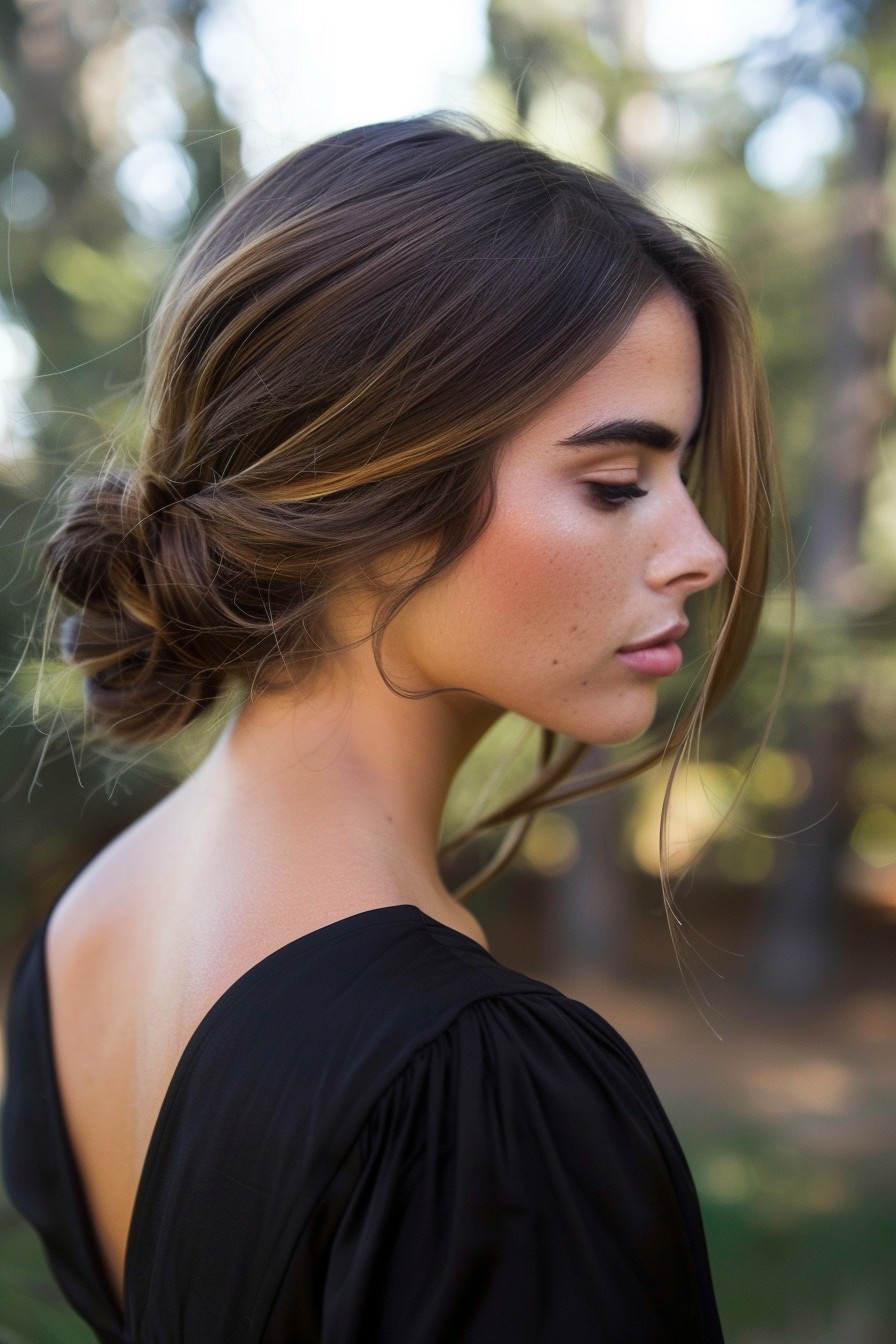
(419, 410)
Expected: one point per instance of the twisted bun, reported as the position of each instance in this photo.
(114, 558)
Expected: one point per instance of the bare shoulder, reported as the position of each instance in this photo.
(103, 904)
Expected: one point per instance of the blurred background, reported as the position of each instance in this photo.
(769, 1026)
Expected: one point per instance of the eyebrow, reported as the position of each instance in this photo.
(647, 432)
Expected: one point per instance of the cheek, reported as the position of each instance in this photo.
(529, 618)
(550, 556)
(538, 581)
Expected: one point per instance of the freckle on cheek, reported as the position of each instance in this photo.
(573, 629)
(554, 661)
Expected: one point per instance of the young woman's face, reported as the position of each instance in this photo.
(592, 551)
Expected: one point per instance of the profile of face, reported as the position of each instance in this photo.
(590, 555)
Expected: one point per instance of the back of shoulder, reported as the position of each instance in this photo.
(319, 1032)
(518, 1178)
(517, 1040)
(521, 1020)
(464, 1035)
(356, 1001)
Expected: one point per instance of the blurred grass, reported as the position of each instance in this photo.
(32, 1309)
(802, 1248)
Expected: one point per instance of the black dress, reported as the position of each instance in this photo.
(379, 1135)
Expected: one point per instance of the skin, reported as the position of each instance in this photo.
(320, 803)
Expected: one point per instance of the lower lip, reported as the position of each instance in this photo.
(660, 660)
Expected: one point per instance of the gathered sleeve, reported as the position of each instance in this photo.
(519, 1181)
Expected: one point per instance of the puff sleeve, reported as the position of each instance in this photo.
(519, 1181)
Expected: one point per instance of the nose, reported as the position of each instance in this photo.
(686, 555)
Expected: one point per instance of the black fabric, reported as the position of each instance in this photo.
(379, 1135)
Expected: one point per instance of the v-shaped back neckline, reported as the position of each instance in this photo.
(119, 1313)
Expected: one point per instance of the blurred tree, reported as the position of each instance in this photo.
(798, 948)
(110, 145)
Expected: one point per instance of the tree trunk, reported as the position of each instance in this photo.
(797, 945)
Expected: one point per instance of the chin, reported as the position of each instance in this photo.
(607, 729)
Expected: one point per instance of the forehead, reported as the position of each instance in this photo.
(652, 373)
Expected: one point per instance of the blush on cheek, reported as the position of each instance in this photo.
(511, 568)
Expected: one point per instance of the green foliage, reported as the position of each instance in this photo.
(83, 266)
(32, 1309)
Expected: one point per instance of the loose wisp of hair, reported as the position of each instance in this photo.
(331, 374)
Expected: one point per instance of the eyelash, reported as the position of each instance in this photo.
(615, 496)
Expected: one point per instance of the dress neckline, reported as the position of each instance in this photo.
(345, 927)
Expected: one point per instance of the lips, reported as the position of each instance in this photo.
(656, 656)
(667, 636)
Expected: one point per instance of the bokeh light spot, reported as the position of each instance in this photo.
(786, 152)
(157, 181)
(552, 844)
(24, 200)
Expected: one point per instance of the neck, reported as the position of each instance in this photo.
(352, 775)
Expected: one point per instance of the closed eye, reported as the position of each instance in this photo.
(614, 496)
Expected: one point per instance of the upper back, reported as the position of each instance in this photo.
(138, 950)
(265, 1101)
(120, 1007)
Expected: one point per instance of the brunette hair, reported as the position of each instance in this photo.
(331, 374)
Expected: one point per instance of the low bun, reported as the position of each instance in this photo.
(141, 683)
(135, 693)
